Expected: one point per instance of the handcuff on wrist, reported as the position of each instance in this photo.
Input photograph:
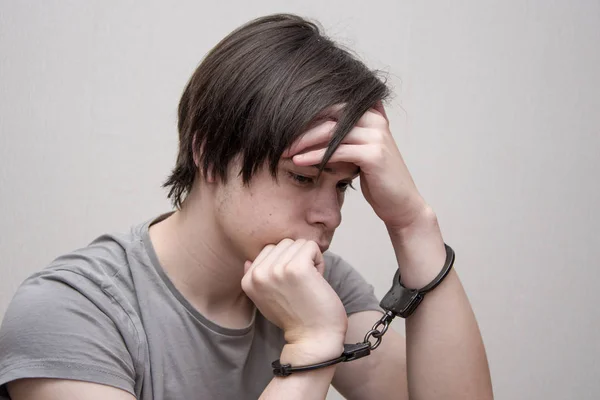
(399, 301)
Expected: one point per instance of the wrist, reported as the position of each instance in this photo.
(409, 212)
(419, 249)
(312, 351)
(422, 221)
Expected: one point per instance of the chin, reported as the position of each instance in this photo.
(323, 247)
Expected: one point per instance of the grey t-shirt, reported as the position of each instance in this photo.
(109, 314)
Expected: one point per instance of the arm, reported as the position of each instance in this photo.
(306, 385)
(286, 284)
(445, 352)
(54, 328)
(381, 375)
(60, 389)
(443, 355)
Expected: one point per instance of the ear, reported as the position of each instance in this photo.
(210, 178)
(195, 151)
(196, 156)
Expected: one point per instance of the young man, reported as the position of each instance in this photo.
(274, 125)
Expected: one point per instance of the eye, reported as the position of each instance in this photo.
(300, 179)
(343, 186)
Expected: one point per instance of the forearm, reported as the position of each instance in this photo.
(445, 353)
(310, 385)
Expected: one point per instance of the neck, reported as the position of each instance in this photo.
(202, 263)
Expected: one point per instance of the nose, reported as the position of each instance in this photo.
(326, 209)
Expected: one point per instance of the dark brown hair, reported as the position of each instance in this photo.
(258, 90)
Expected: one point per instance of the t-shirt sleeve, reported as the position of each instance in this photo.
(356, 294)
(60, 325)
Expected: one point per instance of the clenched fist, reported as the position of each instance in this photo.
(286, 283)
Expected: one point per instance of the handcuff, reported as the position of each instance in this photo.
(399, 301)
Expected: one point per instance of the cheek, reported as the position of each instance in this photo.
(266, 226)
(284, 215)
(276, 216)
(264, 213)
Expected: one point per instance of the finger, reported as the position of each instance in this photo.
(287, 256)
(328, 116)
(379, 107)
(321, 133)
(352, 153)
(312, 250)
(247, 266)
(371, 119)
(332, 112)
(357, 135)
(261, 256)
(264, 253)
(271, 259)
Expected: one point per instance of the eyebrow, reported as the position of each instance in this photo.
(332, 171)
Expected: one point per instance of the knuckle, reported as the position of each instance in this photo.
(267, 249)
(329, 125)
(295, 272)
(378, 136)
(260, 277)
(286, 241)
(312, 245)
(247, 284)
(279, 274)
(377, 153)
(380, 120)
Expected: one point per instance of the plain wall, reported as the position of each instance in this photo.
(496, 113)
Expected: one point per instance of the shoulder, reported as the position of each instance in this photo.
(335, 265)
(106, 256)
(94, 279)
(338, 270)
(104, 263)
(76, 319)
(352, 288)
(92, 285)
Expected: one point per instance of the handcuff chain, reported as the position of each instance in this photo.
(378, 334)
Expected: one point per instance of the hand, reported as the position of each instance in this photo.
(285, 282)
(384, 178)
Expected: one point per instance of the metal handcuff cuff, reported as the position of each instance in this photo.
(399, 301)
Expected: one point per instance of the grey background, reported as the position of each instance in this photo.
(496, 113)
